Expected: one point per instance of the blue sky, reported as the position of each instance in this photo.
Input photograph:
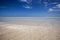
(29, 8)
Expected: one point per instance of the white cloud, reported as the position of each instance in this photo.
(54, 7)
(53, 10)
(50, 9)
(27, 1)
(23, 0)
(58, 5)
(27, 6)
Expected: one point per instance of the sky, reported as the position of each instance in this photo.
(29, 8)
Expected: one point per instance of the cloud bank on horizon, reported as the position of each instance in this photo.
(30, 8)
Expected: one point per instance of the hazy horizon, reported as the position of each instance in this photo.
(31, 20)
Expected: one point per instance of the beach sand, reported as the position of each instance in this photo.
(29, 32)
